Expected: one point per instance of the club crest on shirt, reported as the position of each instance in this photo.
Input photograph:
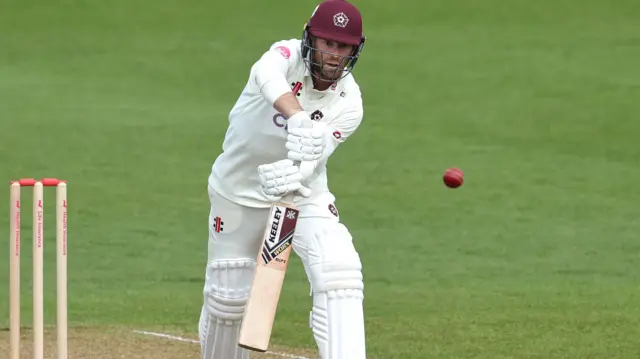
(317, 115)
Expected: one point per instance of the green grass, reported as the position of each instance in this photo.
(536, 256)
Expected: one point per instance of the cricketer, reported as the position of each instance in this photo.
(300, 103)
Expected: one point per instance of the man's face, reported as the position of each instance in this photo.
(330, 58)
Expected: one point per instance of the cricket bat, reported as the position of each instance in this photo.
(272, 262)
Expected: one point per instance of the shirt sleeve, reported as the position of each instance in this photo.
(346, 124)
(269, 73)
(341, 129)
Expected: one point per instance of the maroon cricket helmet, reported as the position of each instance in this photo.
(337, 20)
(334, 20)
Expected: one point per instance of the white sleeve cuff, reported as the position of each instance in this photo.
(273, 88)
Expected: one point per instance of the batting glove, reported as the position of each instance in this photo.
(281, 178)
(305, 141)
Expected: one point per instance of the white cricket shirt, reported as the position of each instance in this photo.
(257, 132)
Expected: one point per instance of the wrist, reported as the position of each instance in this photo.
(298, 115)
(287, 104)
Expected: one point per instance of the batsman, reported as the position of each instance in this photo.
(300, 103)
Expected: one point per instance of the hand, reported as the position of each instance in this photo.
(306, 140)
(305, 145)
(281, 178)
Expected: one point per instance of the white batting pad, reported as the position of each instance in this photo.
(226, 292)
(333, 266)
(337, 321)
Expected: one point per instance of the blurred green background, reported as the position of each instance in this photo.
(536, 256)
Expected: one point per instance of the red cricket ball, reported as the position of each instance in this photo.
(453, 178)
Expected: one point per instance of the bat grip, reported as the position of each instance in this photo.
(288, 198)
(306, 169)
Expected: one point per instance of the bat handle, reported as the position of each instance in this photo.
(307, 168)
(288, 198)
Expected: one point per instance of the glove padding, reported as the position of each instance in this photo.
(305, 144)
(281, 178)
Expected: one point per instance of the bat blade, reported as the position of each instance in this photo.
(272, 262)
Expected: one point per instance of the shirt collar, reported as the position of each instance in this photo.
(336, 89)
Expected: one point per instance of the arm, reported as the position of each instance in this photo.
(270, 75)
(288, 105)
(287, 176)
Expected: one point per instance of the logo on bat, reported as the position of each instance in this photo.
(280, 233)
